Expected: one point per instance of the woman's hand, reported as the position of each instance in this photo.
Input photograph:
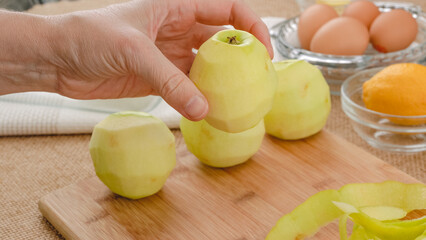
(140, 48)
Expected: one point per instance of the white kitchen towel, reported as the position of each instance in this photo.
(38, 113)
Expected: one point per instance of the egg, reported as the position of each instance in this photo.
(393, 31)
(341, 36)
(311, 20)
(363, 10)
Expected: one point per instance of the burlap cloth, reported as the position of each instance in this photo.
(31, 167)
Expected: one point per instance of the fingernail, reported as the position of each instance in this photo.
(195, 107)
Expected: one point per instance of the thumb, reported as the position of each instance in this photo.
(173, 85)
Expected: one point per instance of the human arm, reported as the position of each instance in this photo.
(125, 50)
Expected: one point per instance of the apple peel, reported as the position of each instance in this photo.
(384, 213)
(319, 210)
(380, 229)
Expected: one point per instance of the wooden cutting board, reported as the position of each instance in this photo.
(199, 202)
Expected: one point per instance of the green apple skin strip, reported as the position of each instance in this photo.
(342, 227)
(305, 220)
(361, 234)
(383, 230)
(422, 237)
(384, 213)
(318, 210)
(387, 231)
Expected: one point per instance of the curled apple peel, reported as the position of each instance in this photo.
(319, 210)
(393, 230)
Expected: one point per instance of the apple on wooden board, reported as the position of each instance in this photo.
(234, 72)
(217, 148)
(302, 101)
(133, 153)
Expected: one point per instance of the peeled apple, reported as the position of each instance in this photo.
(320, 209)
(217, 148)
(133, 153)
(234, 72)
(302, 101)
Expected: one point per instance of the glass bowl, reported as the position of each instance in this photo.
(337, 68)
(376, 128)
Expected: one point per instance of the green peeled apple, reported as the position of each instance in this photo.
(217, 148)
(302, 101)
(234, 72)
(133, 153)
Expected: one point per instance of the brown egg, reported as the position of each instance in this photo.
(393, 31)
(341, 36)
(363, 10)
(311, 20)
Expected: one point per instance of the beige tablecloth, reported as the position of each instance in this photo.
(31, 167)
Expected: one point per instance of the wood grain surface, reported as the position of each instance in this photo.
(200, 202)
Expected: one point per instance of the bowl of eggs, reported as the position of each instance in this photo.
(366, 35)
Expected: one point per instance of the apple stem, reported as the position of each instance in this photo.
(233, 40)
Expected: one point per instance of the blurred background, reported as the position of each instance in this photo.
(21, 5)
